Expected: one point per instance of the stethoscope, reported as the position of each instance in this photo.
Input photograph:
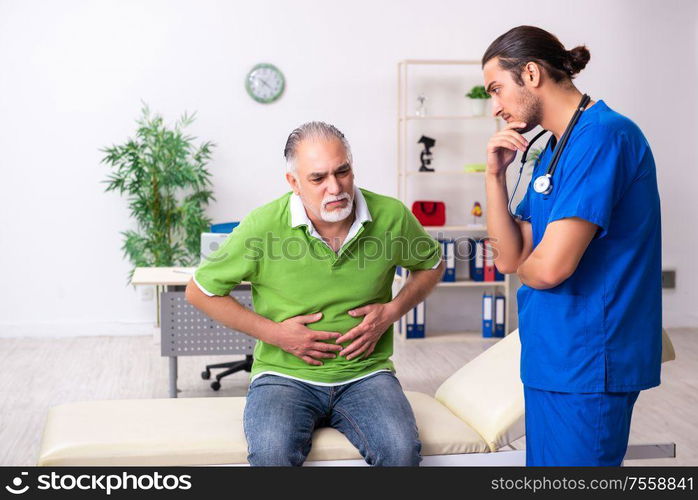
(543, 184)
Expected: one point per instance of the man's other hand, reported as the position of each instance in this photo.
(365, 336)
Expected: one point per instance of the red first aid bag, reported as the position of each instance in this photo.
(430, 213)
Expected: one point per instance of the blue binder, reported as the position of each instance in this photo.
(487, 309)
(448, 250)
(416, 322)
(499, 314)
(421, 319)
(498, 276)
(476, 256)
(415, 317)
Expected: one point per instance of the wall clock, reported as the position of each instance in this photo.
(265, 83)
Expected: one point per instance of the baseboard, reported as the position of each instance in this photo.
(76, 329)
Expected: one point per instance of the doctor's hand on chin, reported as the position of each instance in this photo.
(502, 148)
(365, 335)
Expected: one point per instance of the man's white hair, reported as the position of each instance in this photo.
(312, 130)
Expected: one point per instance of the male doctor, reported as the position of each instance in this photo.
(585, 242)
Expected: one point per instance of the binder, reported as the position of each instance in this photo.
(420, 319)
(489, 261)
(487, 315)
(498, 276)
(476, 258)
(416, 322)
(499, 314)
(451, 259)
(409, 324)
(448, 250)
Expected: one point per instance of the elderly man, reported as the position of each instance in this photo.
(321, 261)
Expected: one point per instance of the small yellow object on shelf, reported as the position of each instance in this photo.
(477, 210)
(475, 167)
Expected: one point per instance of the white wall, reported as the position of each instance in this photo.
(73, 74)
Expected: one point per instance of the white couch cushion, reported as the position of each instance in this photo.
(200, 431)
(487, 393)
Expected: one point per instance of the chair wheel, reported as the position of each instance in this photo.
(215, 385)
(206, 375)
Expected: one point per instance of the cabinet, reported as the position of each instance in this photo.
(451, 124)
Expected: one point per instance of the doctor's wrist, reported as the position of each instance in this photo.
(498, 177)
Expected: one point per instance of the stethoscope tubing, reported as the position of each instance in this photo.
(557, 153)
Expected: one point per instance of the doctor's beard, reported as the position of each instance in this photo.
(531, 110)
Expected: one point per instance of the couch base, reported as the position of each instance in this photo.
(515, 458)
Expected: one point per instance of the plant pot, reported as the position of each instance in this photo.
(478, 107)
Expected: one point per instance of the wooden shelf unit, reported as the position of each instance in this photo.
(404, 174)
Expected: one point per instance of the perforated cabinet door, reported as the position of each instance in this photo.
(186, 331)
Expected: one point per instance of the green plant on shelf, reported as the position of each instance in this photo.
(478, 92)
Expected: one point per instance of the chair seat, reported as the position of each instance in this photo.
(207, 431)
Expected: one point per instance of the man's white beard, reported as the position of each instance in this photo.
(337, 214)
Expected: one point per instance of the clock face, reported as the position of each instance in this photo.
(265, 83)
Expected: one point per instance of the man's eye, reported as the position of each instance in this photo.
(342, 173)
(316, 179)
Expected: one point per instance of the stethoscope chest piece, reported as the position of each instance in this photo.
(543, 184)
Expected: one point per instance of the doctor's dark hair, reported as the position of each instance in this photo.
(312, 130)
(525, 44)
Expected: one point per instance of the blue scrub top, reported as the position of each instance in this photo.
(599, 330)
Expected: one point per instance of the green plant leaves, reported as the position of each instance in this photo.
(163, 175)
(478, 92)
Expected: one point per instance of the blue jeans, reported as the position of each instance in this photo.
(373, 413)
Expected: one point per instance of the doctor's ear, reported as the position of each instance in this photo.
(531, 74)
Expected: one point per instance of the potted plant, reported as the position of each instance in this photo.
(478, 100)
(164, 177)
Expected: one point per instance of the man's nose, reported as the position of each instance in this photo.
(333, 186)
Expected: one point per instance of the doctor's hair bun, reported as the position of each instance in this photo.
(577, 60)
(523, 44)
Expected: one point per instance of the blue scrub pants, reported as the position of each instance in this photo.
(568, 429)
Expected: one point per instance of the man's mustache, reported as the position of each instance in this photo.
(339, 197)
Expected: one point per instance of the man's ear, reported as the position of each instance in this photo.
(293, 182)
(531, 74)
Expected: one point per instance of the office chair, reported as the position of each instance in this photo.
(232, 367)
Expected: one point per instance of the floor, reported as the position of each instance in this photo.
(39, 373)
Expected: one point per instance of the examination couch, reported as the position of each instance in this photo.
(473, 419)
